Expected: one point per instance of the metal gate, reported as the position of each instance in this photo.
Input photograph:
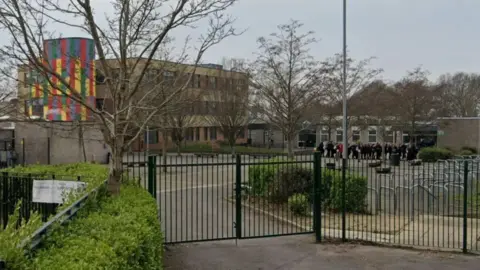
(206, 197)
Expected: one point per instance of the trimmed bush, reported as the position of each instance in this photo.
(92, 174)
(121, 232)
(466, 152)
(472, 150)
(356, 190)
(16, 231)
(433, 154)
(289, 181)
(260, 177)
(298, 204)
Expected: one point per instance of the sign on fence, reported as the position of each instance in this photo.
(54, 191)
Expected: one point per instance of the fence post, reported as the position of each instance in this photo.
(344, 183)
(152, 175)
(317, 199)
(465, 205)
(238, 196)
(4, 200)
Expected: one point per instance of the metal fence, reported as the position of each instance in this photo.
(209, 197)
(16, 192)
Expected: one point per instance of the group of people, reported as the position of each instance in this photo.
(368, 151)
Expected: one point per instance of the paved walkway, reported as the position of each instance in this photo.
(299, 252)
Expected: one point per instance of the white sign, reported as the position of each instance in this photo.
(54, 191)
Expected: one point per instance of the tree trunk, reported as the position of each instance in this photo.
(178, 148)
(116, 169)
(81, 141)
(290, 148)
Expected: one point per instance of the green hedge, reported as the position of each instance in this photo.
(356, 190)
(121, 232)
(261, 176)
(92, 174)
(280, 183)
(432, 154)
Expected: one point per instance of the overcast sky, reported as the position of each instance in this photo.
(441, 35)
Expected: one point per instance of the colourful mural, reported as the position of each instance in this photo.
(74, 59)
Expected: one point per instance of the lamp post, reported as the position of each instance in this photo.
(345, 124)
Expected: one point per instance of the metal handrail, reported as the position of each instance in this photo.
(68, 213)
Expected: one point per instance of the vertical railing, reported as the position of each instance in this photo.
(238, 196)
(465, 206)
(152, 175)
(317, 199)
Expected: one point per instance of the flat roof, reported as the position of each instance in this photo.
(459, 118)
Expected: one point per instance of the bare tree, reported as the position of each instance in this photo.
(359, 75)
(228, 107)
(415, 98)
(286, 78)
(378, 104)
(131, 36)
(460, 94)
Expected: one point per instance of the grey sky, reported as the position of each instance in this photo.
(441, 35)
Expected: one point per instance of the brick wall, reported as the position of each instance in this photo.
(65, 145)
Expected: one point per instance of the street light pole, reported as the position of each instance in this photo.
(345, 124)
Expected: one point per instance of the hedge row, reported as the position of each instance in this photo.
(120, 232)
(433, 154)
(92, 174)
(293, 184)
(17, 230)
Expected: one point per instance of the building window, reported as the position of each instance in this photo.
(324, 135)
(25, 79)
(197, 134)
(189, 134)
(213, 133)
(388, 136)
(205, 133)
(151, 75)
(151, 137)
(213, 82)
(406, 137)
(196, 81)
(99, 78)
(240, 84)
(339, 135)
(241, 133)
(372, 135)
(37, 107)
(168, 77)
(356, 136)
(99, 103)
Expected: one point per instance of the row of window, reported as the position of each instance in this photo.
(372, 136)
(38, 108)
(191, 134)
(166, 77)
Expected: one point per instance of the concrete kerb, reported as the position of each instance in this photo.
(332, 233)
(276, 217)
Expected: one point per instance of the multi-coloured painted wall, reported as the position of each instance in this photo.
(74, 59)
